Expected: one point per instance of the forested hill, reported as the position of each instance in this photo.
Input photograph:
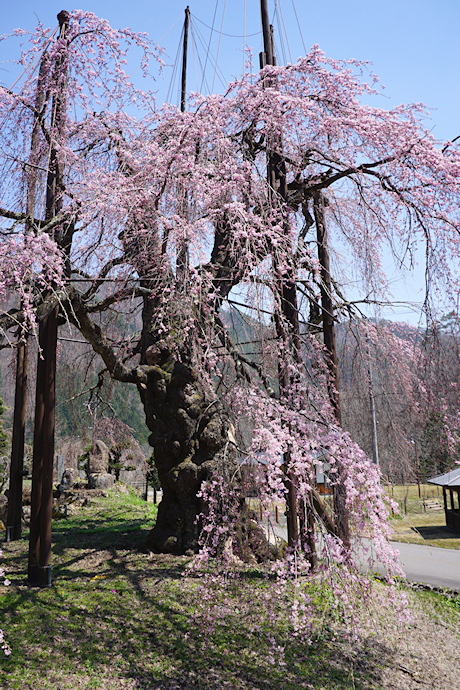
(389, 361)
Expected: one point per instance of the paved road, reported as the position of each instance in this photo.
(429, 565)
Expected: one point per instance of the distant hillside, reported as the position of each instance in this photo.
(396, 351)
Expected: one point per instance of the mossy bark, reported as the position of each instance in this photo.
(191, 440)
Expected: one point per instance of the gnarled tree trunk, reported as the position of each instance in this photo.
(191, 440)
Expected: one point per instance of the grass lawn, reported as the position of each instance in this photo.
(116, 617)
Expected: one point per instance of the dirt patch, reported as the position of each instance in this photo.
(423, 653)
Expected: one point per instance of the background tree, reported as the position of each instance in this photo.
(440, 373)
(383, 359)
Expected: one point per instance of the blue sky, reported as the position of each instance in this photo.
(413, 46)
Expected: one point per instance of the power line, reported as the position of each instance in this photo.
(209, 44)
(218, 47)
(244, 36)
(298, 25)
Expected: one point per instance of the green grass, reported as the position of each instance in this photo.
(416, 523)
(116, 617)
(408, 499)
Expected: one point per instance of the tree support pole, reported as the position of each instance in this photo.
(375, 443)
(39, 565)
(14, 516)
(287, 328)
(183, 92)
(327, 308)
(183, 250)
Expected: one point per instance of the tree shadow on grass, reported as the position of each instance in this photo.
(115, 615)
(156, 646)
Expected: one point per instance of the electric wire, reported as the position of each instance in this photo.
(298, 25)
(283, 30)
(219, 44)
(244, 39)
(280, 34)
(211, 59)
(256, 33)
(195, 54)
(209, 44)
(169, 30)
(31, 68)
(175, 68)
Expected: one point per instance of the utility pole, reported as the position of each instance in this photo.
(39, 566)
(375, 445)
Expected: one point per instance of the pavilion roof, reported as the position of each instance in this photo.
(450, 479)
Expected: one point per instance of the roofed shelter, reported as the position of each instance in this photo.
(450, 482)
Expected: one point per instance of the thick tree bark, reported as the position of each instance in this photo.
(191, 441)
(190, 431)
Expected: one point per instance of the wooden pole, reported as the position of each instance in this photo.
(327, 308)
(286, 319)
(184, 61)
(417, 468)
(182, 261)
(39, 565)
(375, 444)
(14, 515)
(267, 34)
